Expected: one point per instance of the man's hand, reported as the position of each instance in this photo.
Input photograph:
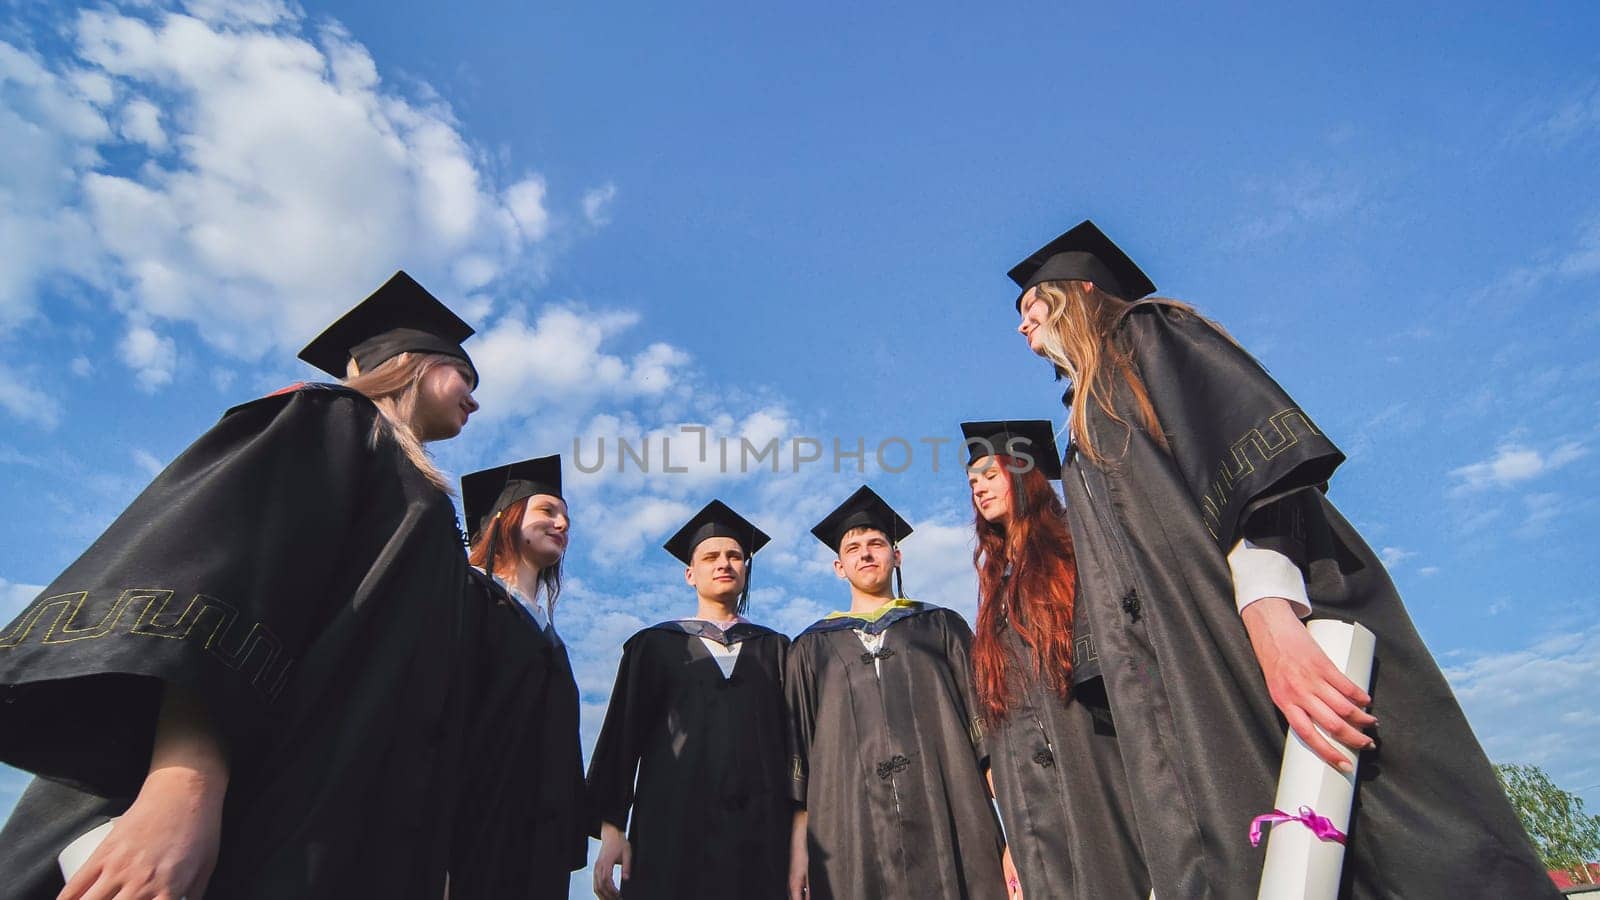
(614, 851)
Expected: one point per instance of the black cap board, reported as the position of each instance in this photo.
(864, 509)
(717, 519)
(1034, 437)
(1084, 253)
(486, 493)
(399, 317)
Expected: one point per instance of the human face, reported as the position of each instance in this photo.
(991, 489)
(444, 401)
(544, 531)
(717, 569)
(1034, 313)
(867, 560)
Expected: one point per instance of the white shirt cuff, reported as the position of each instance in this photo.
(1259, 573)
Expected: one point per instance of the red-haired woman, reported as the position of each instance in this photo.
(523, 827)
(1052, 759)
(1195, 490)
(256, 670)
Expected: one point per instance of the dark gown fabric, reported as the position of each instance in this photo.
(710, 813)
(304, 580)
(1062, 794)
(523, 823)
(1199, 739)
(890, 766)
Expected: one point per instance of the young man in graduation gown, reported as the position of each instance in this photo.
(259, 665)
(888, 760)
(697, 715)
(523, 823)
(1196, 492)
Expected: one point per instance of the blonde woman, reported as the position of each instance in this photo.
(1196, 497)
(255, 670)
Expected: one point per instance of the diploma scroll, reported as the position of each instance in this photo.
(1300, 864)
(74, 855)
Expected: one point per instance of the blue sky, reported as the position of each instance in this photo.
(795, 223)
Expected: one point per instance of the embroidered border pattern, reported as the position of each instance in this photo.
(258, 654)
(1276, 435)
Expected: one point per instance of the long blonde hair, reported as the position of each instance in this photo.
(392, 385)
(1080, 339)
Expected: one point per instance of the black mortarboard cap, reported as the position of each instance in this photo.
(399, 317)
(717, 519)
(1035, 437)
(1083, 254)
(864, 509)
(486, 493)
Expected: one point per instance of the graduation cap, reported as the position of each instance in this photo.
(717, 519)
(487, 493)
(399, 317)
(1084, 253)
(1035, 437)
(864, 509)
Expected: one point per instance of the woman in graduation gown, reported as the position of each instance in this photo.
(1195, 491)
(523, 828)
(1053, 756)
(259, 665)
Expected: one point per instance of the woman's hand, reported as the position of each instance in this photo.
(165, 846)
(614, 851)
(1305, 684)
(1013, 883)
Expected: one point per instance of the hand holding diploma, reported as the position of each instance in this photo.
(1306, 686)
(1311, 812)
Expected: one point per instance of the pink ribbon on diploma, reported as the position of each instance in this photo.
(1320, 826)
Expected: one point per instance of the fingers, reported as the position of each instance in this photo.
(627, 861)
(1344, 708)
(603, 888)
(1301, 723)
(1336, 727)
(1330, 675)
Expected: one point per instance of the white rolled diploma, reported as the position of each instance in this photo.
(1300, 866)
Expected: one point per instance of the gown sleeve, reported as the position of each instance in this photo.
(1239, 440)
(958, 650)
(215, 579)
(629, 717)
(800, 696)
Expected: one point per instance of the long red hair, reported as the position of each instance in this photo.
(503, 537)
(1038, 597)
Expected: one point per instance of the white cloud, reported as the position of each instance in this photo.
(1394, 556)
(141, 123)
(267, 177)
(81, 366)
(25, 402)
(14, 598)
(147, 462)
(1513, 464)
(1534, 705)
(152, 357)
(597, 204)
(559, 360)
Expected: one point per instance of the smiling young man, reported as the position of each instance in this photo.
(887, 762)
(697, 713)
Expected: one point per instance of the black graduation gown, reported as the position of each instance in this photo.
(890, 766)
(303, 580)
(1058, 782)
(711, 814)
(1199, 739)
(523, 824)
